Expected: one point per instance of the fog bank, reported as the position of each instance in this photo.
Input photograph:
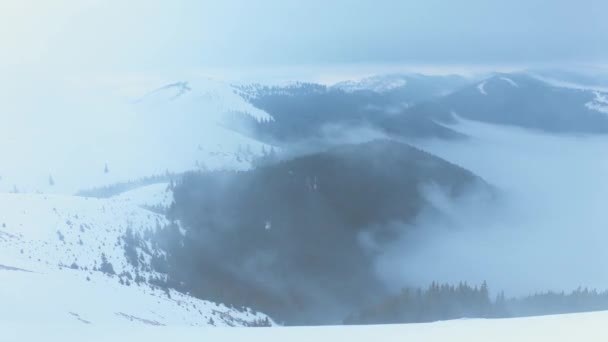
(547, 231)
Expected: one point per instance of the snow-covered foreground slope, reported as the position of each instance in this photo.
(42, 231)
(70, 298)
(563, 328)
(54, 257)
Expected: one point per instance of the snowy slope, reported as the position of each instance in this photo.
(599, 103)
(587, 327)
(68, 298)
(66, 260)
(51, 252)
(482, 88)
(212, 93)
(525, 100)
(69, 135)
(150, 196)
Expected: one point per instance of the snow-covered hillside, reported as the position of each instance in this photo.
(76, 137)
(67, 260)
(149, 196)
(528, 101)
(588, 327)
(64, 261)
(599, 102)
(69, 298)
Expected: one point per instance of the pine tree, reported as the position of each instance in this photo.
(51, 180)
(106, 266)
(106, 169)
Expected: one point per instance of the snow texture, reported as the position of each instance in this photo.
(481, 88)
(179, 127)
(599, 103)
(510, 81)
(589, 327)
(51, 268)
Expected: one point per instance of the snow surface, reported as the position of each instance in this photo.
(481, 88)
(566, 84)
(149, 196)
(53, 244)
(599, 103)
(51, 250)
(69, 298)
(510, 81)
(587, 327)
(42, 231)
(69, 135)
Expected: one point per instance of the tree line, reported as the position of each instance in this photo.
(445, 301)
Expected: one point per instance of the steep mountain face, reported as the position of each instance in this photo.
(521, 100)
(83, 138)
(295, 238)
(307, 112)
(69, 261)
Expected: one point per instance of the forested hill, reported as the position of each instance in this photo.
(445, 301)
(287, 238)
(305, 111)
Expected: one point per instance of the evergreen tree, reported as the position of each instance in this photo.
(106, 267)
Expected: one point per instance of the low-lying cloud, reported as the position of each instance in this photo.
(546, 231)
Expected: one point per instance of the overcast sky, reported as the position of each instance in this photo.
(171, 34)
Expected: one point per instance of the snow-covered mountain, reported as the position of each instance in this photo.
(524, 100)
(70, 260)
(578, 78)
(66, 261)
(82, 138)
(304, 112)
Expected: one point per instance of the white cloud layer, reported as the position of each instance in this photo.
(548, 230)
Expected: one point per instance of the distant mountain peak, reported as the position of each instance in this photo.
(171, 91)
(522, 99)
(412, 82)
(377, 83)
